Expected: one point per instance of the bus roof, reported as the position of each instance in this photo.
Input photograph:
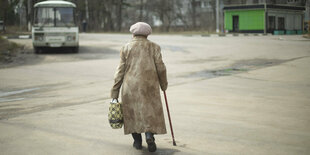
(55, 3)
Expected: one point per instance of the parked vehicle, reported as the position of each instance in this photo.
(55, 26)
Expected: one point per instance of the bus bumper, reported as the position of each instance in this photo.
(55, 44)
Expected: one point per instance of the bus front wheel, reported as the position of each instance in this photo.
(37, 50)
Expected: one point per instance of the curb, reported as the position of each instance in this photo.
(234, 34)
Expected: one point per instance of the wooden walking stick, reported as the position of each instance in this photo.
(169, 119)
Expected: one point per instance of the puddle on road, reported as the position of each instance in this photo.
(239, 67)
(3, 94)
(199, 60)
(217, 73)
(257, 63)
(10, 100)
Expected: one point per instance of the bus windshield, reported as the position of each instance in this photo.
(54, 17)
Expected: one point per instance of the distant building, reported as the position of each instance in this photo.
(201, 14)
(261, 16)
(307, 17)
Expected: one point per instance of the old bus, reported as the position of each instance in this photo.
(54, 25)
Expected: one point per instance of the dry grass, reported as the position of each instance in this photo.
(15, 30)
(8, 50)
(307, 35)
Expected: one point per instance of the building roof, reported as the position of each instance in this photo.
(55, 3)
(262, 6)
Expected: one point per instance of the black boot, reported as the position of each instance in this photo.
(138, 140)
(150, 140)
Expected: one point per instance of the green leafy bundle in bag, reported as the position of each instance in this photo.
(115, 115)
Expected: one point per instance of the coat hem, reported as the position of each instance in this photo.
(157, 133)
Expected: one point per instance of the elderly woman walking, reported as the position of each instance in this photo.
(140, 73)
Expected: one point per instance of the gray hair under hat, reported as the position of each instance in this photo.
(141, 28)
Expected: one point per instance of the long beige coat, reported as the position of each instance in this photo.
(140, 73)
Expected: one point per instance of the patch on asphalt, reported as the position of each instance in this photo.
(240, 67)
(217, 73)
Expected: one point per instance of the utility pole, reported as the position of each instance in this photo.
(266, 18)
(3, 8)
(217, 16)
(86, 9)
(194, 4)
(29, 15)
(20, 16)
(86, 21)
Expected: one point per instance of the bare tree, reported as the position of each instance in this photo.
(166, 11)
(141, 10)
(119, 15)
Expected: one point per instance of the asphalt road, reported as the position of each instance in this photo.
(227, 95)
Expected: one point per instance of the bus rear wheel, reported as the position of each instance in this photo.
(75, 49)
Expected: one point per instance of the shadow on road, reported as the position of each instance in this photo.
(58, 50)
(159, 151)
(61, 54)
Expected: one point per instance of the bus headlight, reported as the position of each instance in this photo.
(69, 38)
(39, 38)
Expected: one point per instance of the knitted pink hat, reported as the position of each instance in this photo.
(140, 28)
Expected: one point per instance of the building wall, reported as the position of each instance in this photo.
(206, 11)
(293, 20)
(307, 12)
(284, 2)
(248, 19)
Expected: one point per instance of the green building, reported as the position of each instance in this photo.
(264, 18)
